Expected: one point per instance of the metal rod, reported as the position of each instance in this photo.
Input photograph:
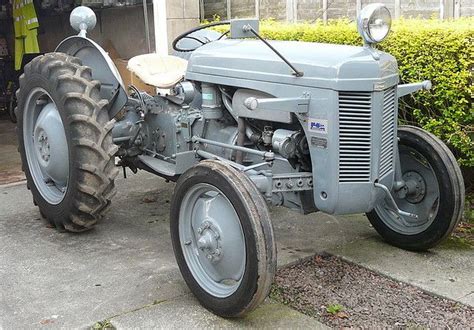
(297, 73)
(208, 155)
(254, 166)
(394, 204)
(267, 155)
(239, 156)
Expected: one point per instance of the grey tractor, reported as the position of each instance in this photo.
(239, 123)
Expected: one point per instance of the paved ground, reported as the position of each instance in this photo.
(10, 162)
(125, 271)
(125, 264)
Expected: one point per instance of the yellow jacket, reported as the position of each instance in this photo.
(25, 23)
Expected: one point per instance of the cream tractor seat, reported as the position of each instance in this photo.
(161, 71)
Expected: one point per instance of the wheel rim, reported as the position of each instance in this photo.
(212, 240)
(421, 195)
(45, 146)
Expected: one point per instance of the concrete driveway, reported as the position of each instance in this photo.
(124, 270)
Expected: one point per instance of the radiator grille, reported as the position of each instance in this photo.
(355, 119)
(388, 131)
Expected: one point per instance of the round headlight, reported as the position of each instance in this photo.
(374, 23)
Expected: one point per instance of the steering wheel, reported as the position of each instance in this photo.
(186, 35)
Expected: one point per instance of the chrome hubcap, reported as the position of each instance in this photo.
(212, 240)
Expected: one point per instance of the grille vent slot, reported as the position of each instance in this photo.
(355, 121)
(388, 131)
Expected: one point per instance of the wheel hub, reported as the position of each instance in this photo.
(43, 146)
(418, 194)
(415, 187)
(46, 146)
(209, 241)
(212, 240)
(51, 146)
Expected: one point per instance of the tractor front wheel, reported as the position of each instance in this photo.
(65, 142)
(223, 238)
(433, 190)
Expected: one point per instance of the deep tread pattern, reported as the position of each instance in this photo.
(92, 151)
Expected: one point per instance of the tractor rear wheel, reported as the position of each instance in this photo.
(65, 142)
(12, 107)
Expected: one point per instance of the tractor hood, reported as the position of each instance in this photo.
(337, 67)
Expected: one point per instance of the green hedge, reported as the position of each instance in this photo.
(442, 52)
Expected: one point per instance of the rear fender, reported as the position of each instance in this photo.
(103, 69)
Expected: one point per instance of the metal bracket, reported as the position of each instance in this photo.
(394, 204)
(238, 30)
(289, 104)
(405, 89)
(292, 182)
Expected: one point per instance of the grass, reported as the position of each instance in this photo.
(103, 325)
(334, 309)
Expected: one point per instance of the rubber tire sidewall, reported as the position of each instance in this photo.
(440, 227)
(11, 110)
(237, 302)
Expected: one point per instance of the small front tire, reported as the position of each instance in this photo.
(223, 238)
(434, 191)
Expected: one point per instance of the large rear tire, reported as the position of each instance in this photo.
(434, 191)
(223, 238)
(12, 107)
(65, 141)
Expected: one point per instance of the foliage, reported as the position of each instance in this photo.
(334, 309)
(442, 52)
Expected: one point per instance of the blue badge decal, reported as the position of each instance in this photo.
(318, 125)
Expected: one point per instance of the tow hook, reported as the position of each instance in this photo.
(392, 201)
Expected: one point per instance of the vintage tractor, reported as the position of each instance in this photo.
(242, 123)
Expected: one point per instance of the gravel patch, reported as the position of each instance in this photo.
(341, 294)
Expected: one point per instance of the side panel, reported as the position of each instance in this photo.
(103, 69)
